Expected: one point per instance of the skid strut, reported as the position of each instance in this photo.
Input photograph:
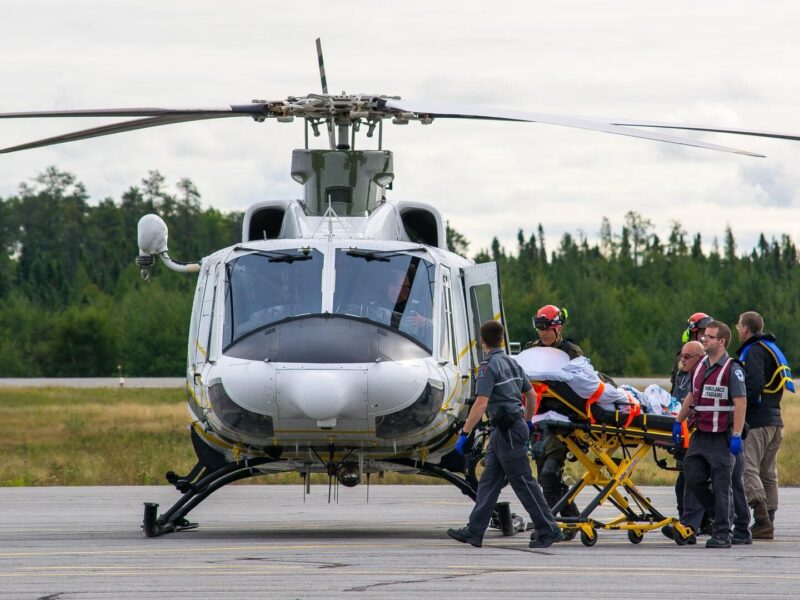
(194, 493)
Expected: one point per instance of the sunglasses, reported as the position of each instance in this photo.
(710, 337)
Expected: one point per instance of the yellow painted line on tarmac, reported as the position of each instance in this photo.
(483, 571)
(288, 565)
(210, 573)
(175, 550)
(580, 570)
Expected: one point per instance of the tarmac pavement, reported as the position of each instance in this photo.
(262, 541)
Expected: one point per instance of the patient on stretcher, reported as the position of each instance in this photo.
(582, 393)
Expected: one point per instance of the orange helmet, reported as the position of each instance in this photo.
(697, 321)
(549, 316)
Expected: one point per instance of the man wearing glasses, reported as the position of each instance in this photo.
(690, 510)
(696, 327)
(716, 403)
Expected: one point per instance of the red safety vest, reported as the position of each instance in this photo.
(711, 395)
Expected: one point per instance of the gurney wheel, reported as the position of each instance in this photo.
(635, 537)
(589, 540)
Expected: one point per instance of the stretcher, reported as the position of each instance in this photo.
(609, 445)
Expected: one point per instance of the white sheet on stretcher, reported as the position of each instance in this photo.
(551, 364)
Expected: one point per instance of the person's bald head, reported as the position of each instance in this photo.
(690, 354)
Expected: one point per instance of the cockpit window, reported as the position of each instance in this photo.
(266, 287)
(389, 288)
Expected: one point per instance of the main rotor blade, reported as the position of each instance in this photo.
(116, 128)
(731, 130)
(322, 77)
(254, 109)
(455, 111)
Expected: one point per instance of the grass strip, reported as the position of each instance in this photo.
(113, 436)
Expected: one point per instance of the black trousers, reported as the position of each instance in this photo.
(550, 454)
(507, 457)
(709, 457)
(740, 510)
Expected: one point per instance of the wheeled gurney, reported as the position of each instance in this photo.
(609, 444)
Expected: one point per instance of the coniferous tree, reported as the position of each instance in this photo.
(72, 301)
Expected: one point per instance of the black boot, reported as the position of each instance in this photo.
(465, 536)
(762, 529)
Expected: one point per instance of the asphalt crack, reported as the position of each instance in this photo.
(364, 588)
(318, 563)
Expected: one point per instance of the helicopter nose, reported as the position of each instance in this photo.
(323, 395)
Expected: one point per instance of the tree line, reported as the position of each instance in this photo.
(72, 302)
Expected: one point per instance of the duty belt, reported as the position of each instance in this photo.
(505, 420)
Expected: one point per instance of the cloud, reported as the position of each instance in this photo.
(712, 62)
(773, 184)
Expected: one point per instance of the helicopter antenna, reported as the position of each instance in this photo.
(324, 81)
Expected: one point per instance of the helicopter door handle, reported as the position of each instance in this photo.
(442, 363)
(196, 376)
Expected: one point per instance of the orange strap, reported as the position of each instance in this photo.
(685, 433)
(541, 389)
(636, 410)
(592, 399)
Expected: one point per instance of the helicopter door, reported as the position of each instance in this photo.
(206, 300)
(482, 292)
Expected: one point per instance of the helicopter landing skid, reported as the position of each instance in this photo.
(194, 492)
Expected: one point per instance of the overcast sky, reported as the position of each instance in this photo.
(711, 63)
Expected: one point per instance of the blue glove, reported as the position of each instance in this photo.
(462, 441)
(736, 445)
(677, 433)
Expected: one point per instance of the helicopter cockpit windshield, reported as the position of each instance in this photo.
(390, 288)
(266, 287)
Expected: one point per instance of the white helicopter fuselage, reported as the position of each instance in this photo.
(301, 345)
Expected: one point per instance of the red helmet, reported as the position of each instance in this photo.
(549, 316)
(699, 320)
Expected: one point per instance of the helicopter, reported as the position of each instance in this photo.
(340, 336)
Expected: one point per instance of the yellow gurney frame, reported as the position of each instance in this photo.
(594, 445)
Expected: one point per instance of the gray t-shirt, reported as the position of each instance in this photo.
(503, 381)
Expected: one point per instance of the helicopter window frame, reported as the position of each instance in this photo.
(205, 316)
(293, 289)
(478, 300)
(447, 331)
(213, 347)
(194, 323)
(374, 307)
